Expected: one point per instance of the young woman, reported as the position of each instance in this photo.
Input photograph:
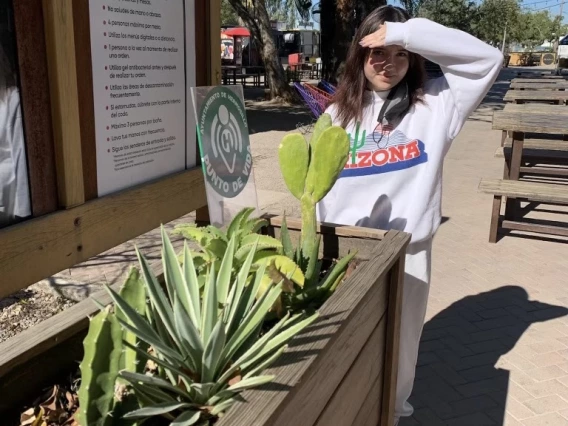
(401, 128)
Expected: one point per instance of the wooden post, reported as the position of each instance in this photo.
(214, 74)
(396, 283)
(60, 40)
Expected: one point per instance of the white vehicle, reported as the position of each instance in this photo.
(562, 54)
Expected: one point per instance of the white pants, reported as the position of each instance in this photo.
(414, 301)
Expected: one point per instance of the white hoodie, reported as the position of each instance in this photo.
(396, 182)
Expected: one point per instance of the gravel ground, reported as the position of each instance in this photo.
(27, 308)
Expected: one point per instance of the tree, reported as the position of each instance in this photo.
(228, 14)
(339, 22)
(255, 16)
(459, 14)
(538, 27)
(497, 16)
(412, 6)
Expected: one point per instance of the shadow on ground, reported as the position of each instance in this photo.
(457, 382)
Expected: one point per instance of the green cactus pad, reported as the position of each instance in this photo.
(328, 158)
(134, 292)
(323, 123)
(99, 369)
(293, 156)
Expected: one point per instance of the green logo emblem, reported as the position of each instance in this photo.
(224, 140)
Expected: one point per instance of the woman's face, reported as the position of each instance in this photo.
(386, 66)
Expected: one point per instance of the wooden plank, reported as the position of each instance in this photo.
(533, 123)
(370, 413)
(86, 97)
(393, 342)
(547, 171)
(329, 347)
(544, 192)
(40, 247)
(331, 228)
(60, 39)
(537, 109)
(36, 105)
(541, 145)
(518, 142)
(528, 226)
(547, 79)
(535, 95)
(549, 85)
(348, 399)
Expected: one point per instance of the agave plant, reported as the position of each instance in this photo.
(268, 251)
(207, 350)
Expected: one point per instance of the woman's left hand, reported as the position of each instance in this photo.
(376, 39)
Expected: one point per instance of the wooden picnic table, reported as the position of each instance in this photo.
(539, 80)
(542, 85)
(520, 120)
(522, 96)
(537, 109)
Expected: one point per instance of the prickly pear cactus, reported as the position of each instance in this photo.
(99, 370)
(310, 172)
(294, 158)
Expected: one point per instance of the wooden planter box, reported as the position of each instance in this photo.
(340, 371)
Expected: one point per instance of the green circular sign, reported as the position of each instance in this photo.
(225, 146)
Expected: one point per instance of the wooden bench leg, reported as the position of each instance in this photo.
(495, 212)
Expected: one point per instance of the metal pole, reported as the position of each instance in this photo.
(504, 39)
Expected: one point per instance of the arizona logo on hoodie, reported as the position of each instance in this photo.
(385, 150)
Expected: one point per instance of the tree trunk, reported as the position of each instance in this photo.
(261, 32)
(339, 22)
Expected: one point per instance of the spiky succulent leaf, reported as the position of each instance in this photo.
(189, 294)
(225, 272)
(140, 327)
(156, 410)
(241, 217)
(190, 338)
(157, 296)
(250, 322)
(285, 266)
(153, 382)
(210, 306)
(260, 242)
(212, 353)
(187, 418)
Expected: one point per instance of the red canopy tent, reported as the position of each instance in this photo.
(237, 31)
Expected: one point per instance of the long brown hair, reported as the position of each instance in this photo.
(349, 98)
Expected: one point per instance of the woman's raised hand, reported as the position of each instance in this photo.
(376, 39)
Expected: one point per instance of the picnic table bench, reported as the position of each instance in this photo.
(539, 80)
(549, 85)
(521, 120)
(523, 96)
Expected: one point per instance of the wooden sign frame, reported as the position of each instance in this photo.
(64, 134)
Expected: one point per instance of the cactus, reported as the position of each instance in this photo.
(99, 370)
(327, 155)
(105, 355)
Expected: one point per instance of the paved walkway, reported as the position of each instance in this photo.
(495, 347)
